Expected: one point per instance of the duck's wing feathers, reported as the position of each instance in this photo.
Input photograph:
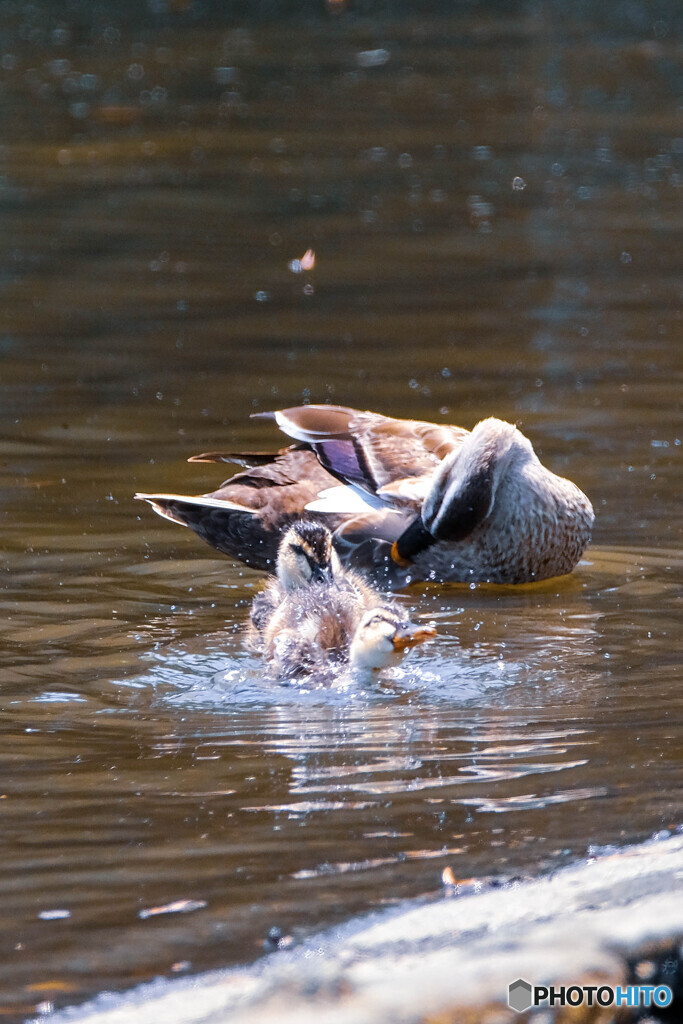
(366, 449)
(397, 448)
(410, 491)
(345, 500)
(278, 488)
(364, 541)
(250, 460)
(310, 423)
(247, 459)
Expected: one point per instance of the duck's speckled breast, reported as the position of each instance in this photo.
(539, 527)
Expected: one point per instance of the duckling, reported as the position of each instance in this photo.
(316, 616)
(306, 555)
(306, 558)
(407, 500)
(381, 639)
(319, 631)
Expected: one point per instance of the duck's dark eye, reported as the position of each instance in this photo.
(297, 549)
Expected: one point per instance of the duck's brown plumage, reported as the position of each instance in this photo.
(260, 503)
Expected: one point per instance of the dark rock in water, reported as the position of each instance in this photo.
(606, 922)
(272, 938)
(276, 939)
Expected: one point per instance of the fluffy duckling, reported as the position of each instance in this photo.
(317, 617)
(306, 557)
(322, 630)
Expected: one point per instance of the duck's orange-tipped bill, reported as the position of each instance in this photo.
(398, 558)
(411, 635)
(414, 539)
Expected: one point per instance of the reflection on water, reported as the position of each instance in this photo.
(494, 202)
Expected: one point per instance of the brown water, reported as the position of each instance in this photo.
(495, 204)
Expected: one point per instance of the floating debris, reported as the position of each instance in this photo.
(448, 879)
(54, 915)
(177, 907)
(307, 262)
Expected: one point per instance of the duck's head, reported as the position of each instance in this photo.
(382, 637)
(306, 555)
(463, 488)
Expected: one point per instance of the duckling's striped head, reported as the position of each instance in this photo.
(382, 637)
(306, 555)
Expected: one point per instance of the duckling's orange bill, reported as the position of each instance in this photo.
(411, 635)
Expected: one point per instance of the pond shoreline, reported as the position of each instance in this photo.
(604, 921)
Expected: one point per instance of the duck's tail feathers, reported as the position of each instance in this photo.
(172, 506)
(194, 499)
(250, 460)
(226, 525)
(247, 459)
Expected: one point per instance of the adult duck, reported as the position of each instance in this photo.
(408, 499)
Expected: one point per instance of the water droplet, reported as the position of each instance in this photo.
(372, 58)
